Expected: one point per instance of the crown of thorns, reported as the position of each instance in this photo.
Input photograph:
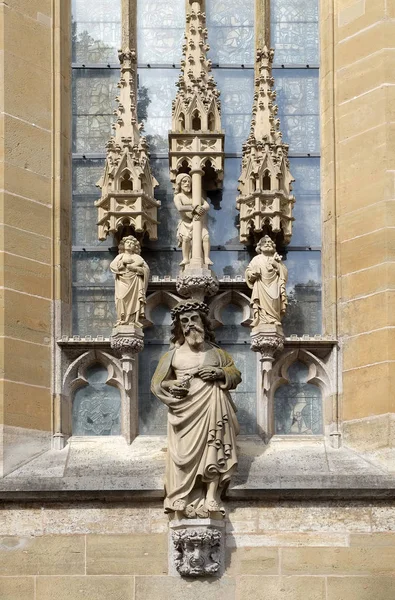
(188, 305)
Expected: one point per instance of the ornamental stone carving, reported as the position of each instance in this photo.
(266, 276)
(196, 154)
(197, 551)
(127, 202)
(193, 379)
(265, 201)
(131, 274)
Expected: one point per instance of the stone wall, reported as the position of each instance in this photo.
(280, 550)
(358, 191)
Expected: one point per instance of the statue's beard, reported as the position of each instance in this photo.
(194, 335)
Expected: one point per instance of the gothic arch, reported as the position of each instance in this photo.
(230, 297)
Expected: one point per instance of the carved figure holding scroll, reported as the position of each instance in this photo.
(193, 379)
(267, 276)
(131, 280)
(189, 213)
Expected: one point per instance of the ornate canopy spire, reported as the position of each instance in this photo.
(265, 200)
(196, 115)
(127, 202)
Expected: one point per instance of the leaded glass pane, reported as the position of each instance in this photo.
(303, 314)
(230, 263)
(160, 331)
(232, 331)
(160, 31)
(298, 103)
(86, 174)
(237, 89)
(152, 412)
(231, 31)
(96, 26)
(298, 405)
(93, 311)
(93, 268)
(294, 27)
(84, 223)
(167, 213)
(93, 97)
(245, 394)
(307, 211)
(156, 91)
(223, 215)
(97, 406)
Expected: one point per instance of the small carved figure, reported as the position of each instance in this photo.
(131, 280)
(189, 213)
(197, 551)
(193, 379)
(267, 276)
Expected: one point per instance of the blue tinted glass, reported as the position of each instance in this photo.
(160, 31)
(294, 29)
(298, 405)
(298, 104)
(93, 311)
(97, 406)
(96, 27)
(156, 91)
(303, 314)
(231, 31)
(307, 210)
(237, 89)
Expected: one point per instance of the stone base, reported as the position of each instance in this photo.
(196, 548)
(197, 283)
(127, 339)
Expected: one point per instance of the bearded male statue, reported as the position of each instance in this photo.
(193, 379)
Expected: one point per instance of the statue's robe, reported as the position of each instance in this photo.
(202, 429)
(130, 290)
(268, 299)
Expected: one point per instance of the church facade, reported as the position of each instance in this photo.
(108, 226)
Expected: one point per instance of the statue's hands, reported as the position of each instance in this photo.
(254, 275)
(211, 373)
(198, 212)
(178, 389)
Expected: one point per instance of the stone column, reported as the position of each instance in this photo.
(197, 251)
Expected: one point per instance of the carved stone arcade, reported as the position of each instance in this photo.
(127, 200)
(196, 144)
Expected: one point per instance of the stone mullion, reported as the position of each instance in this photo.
(262, 26)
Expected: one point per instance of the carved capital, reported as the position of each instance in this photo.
(127, 340)
(197, 283)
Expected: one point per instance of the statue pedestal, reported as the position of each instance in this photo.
(197, 283)
(126, 341)
(196, 548)
(267, 339)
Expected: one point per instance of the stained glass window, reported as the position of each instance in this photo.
(97, 406)
(298, 405)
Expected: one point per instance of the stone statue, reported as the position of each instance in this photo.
(131, 280)
(188, 213)
(197, 551)
(267, 276)
(193, 380)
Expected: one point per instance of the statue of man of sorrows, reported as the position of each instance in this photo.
(193, 379)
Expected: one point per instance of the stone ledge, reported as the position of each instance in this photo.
(89, 469)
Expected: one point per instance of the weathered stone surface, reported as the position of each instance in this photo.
(253, 560)
(26, 276)
(374, 539)
(27, 318)
(85, 588)
(17, 588)
(126, 554)
(280, 588)
(338, 561)
(287, 538)
(26, 406)
(55, 555)
(169, 588)
(360, 588)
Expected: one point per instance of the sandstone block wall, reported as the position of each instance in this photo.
(281, 551)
